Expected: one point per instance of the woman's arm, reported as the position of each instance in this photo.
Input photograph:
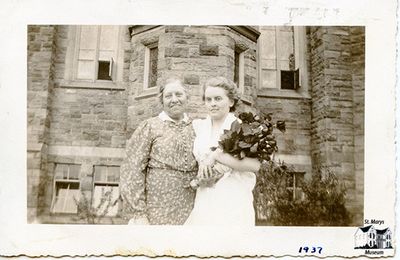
(244, 165)
(133, 175)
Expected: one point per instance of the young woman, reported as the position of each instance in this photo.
(230, 200)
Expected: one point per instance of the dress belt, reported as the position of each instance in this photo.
(168, 168)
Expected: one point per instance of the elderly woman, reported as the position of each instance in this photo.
(159, 164)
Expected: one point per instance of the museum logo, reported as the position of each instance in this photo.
(370, 238)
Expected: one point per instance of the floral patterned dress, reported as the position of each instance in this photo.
(156, 174)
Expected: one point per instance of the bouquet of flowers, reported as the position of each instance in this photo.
(252, 137)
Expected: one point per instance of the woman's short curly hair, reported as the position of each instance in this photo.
(168, 81)
(228, 85)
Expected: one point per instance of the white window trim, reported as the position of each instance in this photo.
(277, 60)
(71, 63)
(300, 52)
(300, 49)
(146, 70)
(241, 73)
(104, 184)
(55, 181)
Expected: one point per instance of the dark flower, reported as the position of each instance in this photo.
(281, 126)
(251, 138)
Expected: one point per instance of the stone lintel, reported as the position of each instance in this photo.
(247, 31)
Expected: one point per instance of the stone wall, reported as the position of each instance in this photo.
(78, 115)
(358, 81)
(41, 45)
(192, 53)
(334, 70)
(88, 117)
(294, 144)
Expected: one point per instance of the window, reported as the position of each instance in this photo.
(282, 64)
(150, 66)
(106, 190)
(66, 192)
(97, 47)
(238, 74)
(294, 185)
(94, 55)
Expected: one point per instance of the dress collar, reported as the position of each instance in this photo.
(165, 117)
(226, 125)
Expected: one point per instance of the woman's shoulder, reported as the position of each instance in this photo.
(153, 120)
(148, 124)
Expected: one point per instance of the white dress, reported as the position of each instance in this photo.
(230, 201)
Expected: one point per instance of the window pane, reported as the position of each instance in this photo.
(287, 79)
(109, 205)
(66, 196)
(108, 37)
(104, 70)
(106, 55)
(268, 43)
(268, 79)
(65, 170)
(86, 55)
(289, 181)
(88, 38)
(286, 41)
(74, 172)
(236, 68)
(113, 174)
(59, 171)
(100, 173)
(153, 67)
(299, 178)
(85, 69)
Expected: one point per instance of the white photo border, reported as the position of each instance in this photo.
(17, 237)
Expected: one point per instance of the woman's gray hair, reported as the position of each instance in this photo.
(168, 81)
(228, 85)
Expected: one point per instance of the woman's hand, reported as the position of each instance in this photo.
(205, 171)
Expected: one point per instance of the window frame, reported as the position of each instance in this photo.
(71, 62)
(240, 69)
(69, 181)
(300, 54)
(106, 184)
(294, 188)
(146, 69)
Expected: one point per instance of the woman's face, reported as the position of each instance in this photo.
(174, 100)
(217, 102)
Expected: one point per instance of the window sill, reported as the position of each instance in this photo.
(102, 85)
(246, 100)
(283, 93)
(148, 93)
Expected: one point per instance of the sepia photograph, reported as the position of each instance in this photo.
(122, 120)
(188, 129)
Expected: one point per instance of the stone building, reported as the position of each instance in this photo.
(90, 86)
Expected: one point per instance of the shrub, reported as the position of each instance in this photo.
(323, 203)
(94, 214)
